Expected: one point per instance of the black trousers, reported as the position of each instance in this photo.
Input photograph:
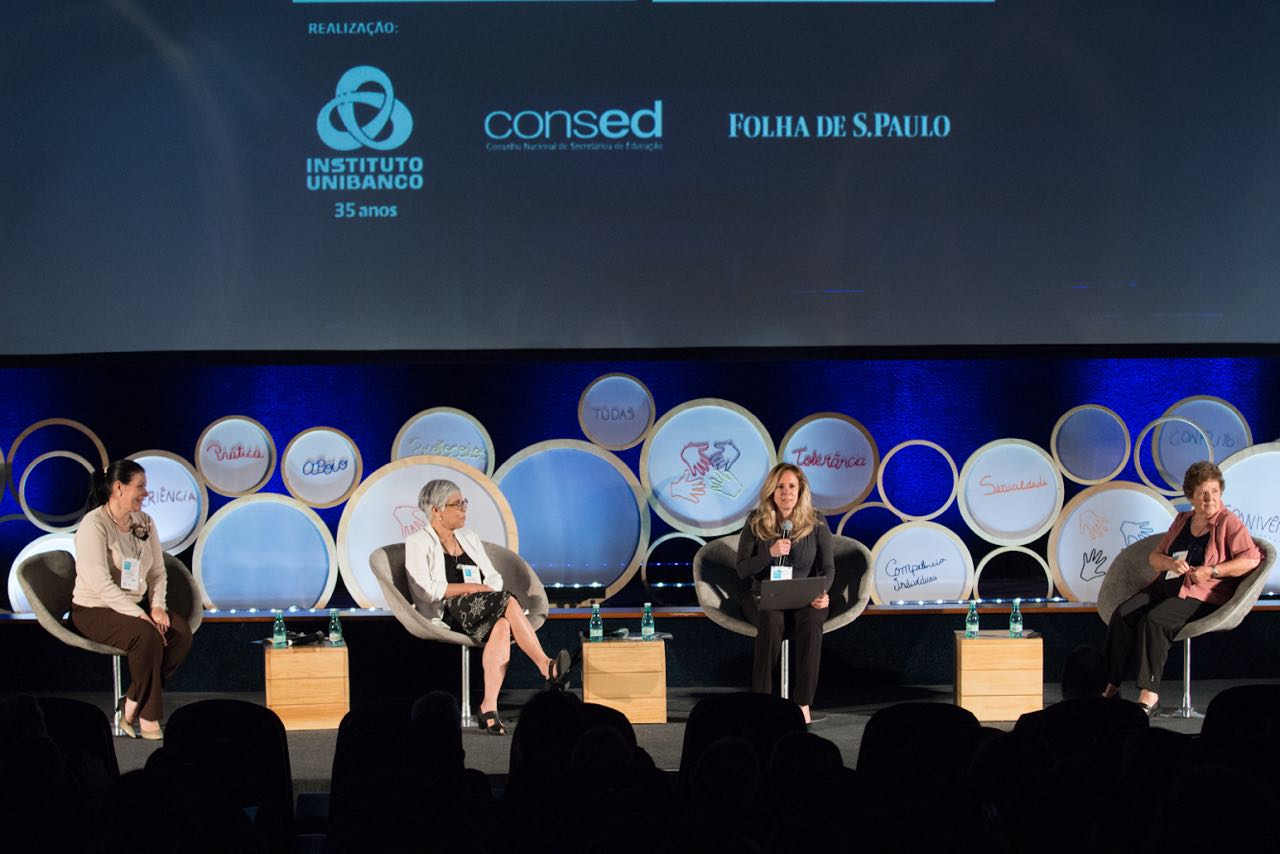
(806, 630)
(1145, 623)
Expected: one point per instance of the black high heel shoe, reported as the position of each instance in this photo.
(558, 671)
(490, 723)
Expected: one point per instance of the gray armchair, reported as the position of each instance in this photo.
(388, 567)
(47, 581)
(1130, 572)
(716, 582)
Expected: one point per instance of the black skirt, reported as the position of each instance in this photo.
(474, 614)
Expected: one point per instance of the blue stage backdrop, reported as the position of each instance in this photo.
(958, 401)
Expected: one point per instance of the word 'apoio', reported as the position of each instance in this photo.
(839, 126)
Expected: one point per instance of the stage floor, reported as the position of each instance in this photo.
(311, 752)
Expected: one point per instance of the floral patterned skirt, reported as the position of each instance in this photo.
(474, 614)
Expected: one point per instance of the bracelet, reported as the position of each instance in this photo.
(1214, 573)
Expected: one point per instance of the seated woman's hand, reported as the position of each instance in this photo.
(780, 548)
(823, 601)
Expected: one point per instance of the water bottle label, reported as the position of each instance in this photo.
(597, 633)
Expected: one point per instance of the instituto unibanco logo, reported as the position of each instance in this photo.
(374, 133)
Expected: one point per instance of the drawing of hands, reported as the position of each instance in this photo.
(1091, 566)
(726, 454)
(725, 482)
(1134, 531)
(410, 519)
(695, 459)
(1096, 525)
(689, 488)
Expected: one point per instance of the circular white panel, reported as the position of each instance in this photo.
(265, 551)
(589, 536)
(178, 500)
(321, 466)
(1253, 494)
(1090, 443)
(446, 432)
(1010, 492)
(616, 411)
(1176, 446)
(703, 465)
(920, 560)
(837, 455)
(235, 455)
(64, 541)
(384, 510)
(1095, 526)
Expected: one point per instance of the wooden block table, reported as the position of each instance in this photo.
(307, 685)
(999, 677)
(627, 675)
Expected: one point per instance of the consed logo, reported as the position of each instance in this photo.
(353, 135)
(577, 124)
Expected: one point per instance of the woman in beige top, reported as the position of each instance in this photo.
(119, 563)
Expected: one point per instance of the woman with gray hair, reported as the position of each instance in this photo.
(451, 579)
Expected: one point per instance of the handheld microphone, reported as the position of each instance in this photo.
(786, 535)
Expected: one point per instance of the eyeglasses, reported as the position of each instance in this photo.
(461, 505)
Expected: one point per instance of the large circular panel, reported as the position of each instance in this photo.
(384, 510)
(920, 560)
(1095, 526)
(178, 500)
(1176, 446)
(235, 455)
(321, 467)
(616, 411)
(446, 432)
(1253, 494)
(265, 551)
(1010, 492)
(582, 514)
(63, 541)
(1166, 421)
(837, 455)
(703, 465)
(1090, 444)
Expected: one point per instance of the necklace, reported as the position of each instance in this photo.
(123, 526)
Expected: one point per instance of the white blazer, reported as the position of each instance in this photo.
(424, 561)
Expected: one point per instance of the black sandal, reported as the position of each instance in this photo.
(558, 671)
(490, 723)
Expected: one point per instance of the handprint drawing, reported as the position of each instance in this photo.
(725, 482)
(689, 488)
(1097, 526)
(1091, 565)
(410, 519)
(1134, 531)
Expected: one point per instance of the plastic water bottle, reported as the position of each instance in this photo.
(646, 622)
(971, 620)
(1015, 619)
(279, 636)
(596, 631)
(335, 628)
